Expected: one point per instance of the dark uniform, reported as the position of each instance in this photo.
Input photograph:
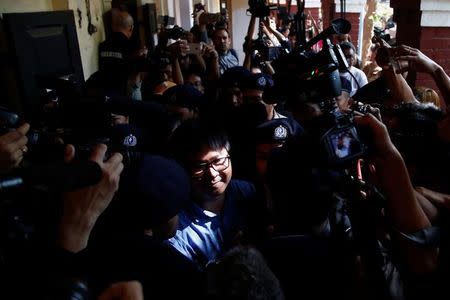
(114, 62)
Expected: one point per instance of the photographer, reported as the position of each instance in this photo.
(404, 211)
(417, 61)
(310, 225)
(432, 192)
(119, 58)
(261, 52)
(227, 56)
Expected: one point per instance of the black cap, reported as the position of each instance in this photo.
(184, 96)
(233, 76)
(154, 191)
(258, 81)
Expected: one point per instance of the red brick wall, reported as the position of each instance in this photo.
(435, 43)
(314, 11)
(354, 19)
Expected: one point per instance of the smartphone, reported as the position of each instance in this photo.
(195, 48)
(272, 24)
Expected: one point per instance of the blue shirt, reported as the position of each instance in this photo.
(202, 235)
(228, 60)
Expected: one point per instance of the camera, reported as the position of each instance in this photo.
(342, 142)
(265, 52)
(175, 33)
(259, 9)
(209, 18)
(379, 33)
(308, 77)
(361, 107)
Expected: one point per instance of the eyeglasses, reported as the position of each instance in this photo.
(218, 165)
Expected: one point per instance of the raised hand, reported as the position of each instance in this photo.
(82, 207)
(417, 61)
(12, 148)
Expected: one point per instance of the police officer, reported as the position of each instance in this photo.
(117, 53)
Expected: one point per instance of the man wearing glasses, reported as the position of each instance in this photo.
(217, 217)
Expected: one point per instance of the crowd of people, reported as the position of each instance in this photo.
(218, 189)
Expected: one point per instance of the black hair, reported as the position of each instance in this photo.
(220, 28)
(284, 28)
(415, 130)
(347, 46)
(242, 273)
(192, 135)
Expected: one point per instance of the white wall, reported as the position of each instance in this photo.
(89, 43)
(185, 11)
(351, 6)
(435, 13)
(213, 6)
(240, 25)
(15, 6)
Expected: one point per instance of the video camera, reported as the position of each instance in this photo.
(285, 16)
(379, 32)
(83, 123)
(175, 33)
(308, 77)
(259, 9)
(266, 52)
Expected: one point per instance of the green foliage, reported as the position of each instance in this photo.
(382, 14)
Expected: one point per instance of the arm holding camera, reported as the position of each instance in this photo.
(212, 58)
(403, 209)
(248, 44)
(419, 62)
(280, 37)
(401, 92)
(67, 262)
(82, 207)
(265, 29)
(176, 50)
(197, 58)
(422, 63)
(12, 148)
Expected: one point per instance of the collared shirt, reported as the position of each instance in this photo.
(202, 235)
(226, 61)
(277, 115)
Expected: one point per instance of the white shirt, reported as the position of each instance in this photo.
(360, 76)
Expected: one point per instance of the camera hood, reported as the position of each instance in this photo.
(340, 26)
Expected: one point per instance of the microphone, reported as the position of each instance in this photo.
(58, 176)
